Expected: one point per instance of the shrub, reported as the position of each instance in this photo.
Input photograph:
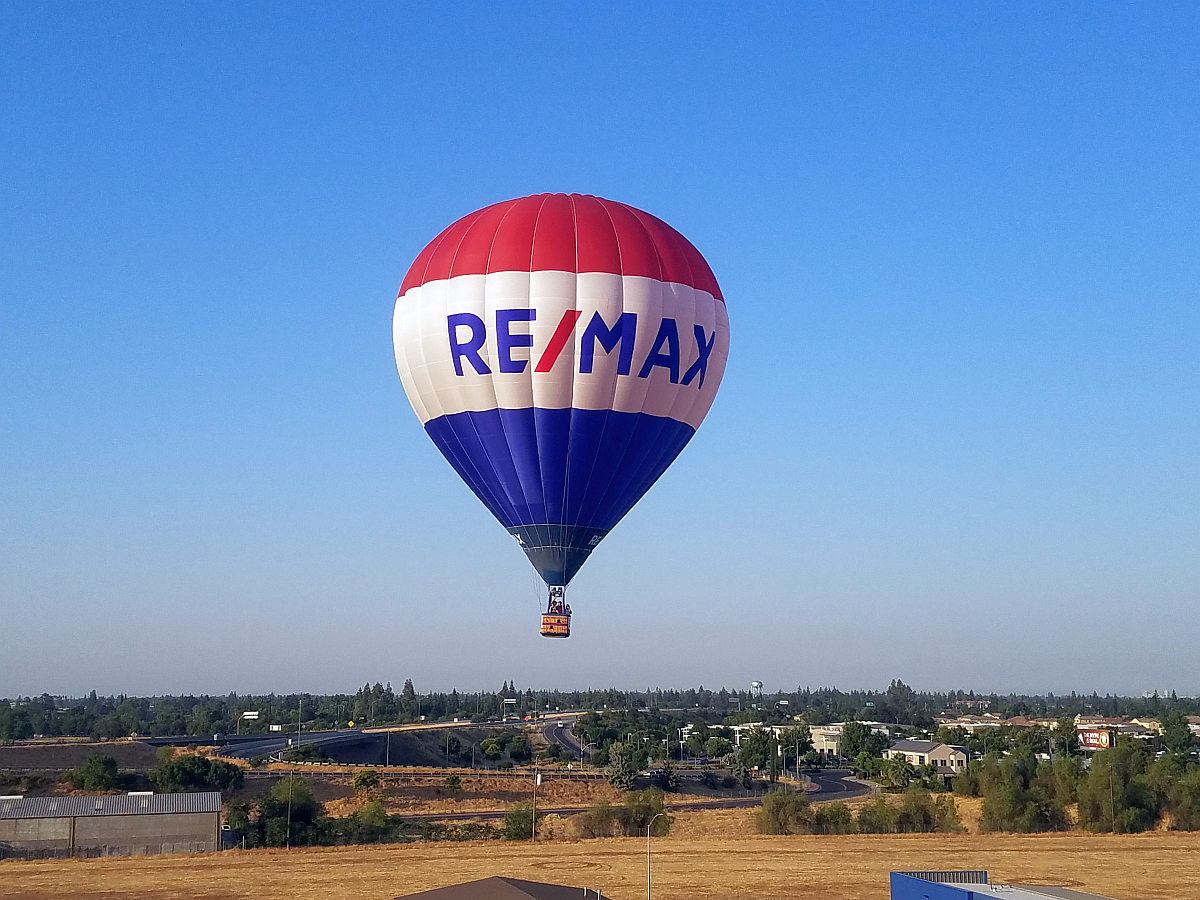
(453, 783)
(471, 831)
(878, 817)
(920, 813)
(599, 821)
(833, 818)
(639, 811)
(783, 813)
(366, 781)
(306, 753)
(519, 822)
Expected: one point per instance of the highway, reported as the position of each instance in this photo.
(247, 746)
(559, 732)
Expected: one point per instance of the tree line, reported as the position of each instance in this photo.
(378, 704)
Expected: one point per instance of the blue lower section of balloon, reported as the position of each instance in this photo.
(576, 470)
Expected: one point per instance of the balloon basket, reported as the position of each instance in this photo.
(556, 626)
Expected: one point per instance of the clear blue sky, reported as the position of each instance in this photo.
(957, 442)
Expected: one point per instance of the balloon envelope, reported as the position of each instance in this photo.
(560, 350)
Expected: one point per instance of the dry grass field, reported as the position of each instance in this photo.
(701, 859)
(428, 796)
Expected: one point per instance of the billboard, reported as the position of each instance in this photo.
(1096, 738)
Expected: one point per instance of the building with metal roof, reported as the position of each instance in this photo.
(110, 824)
(974, 885)
(498, 888)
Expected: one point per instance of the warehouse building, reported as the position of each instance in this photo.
(110, 825)
(973, 885)
(497, 888)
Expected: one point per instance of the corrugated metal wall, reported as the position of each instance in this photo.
(135, 835)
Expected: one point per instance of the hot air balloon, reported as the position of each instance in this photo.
(560, 350)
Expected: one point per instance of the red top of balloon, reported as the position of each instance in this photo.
(562, 233)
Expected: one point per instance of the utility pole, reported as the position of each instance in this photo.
(287, 841)
(537, 779)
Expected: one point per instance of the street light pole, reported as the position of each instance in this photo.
(537, 779)
(648, 827)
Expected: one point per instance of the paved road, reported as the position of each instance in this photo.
(247, 746)
(833, 784)
(559, 732)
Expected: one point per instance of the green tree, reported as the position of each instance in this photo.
(492, 747)
(954, 735)
(289, 815)
(197, 773)
(793, 740)
(622, 768)
(898, 772)
(668, 778)
(98, 773)
(639, 811)
(1176, 736)
(870, 766)
(1117, 795)
(859, 738)
(409, 702)
(237, 816)
(1021, 795)
(15, 724)
(1065, 737)
(365, 782)
(756, 750)
(1185, 801)
(741, 771)
(716, 747)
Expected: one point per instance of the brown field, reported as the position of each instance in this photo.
(699, 860)
(479, 793)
